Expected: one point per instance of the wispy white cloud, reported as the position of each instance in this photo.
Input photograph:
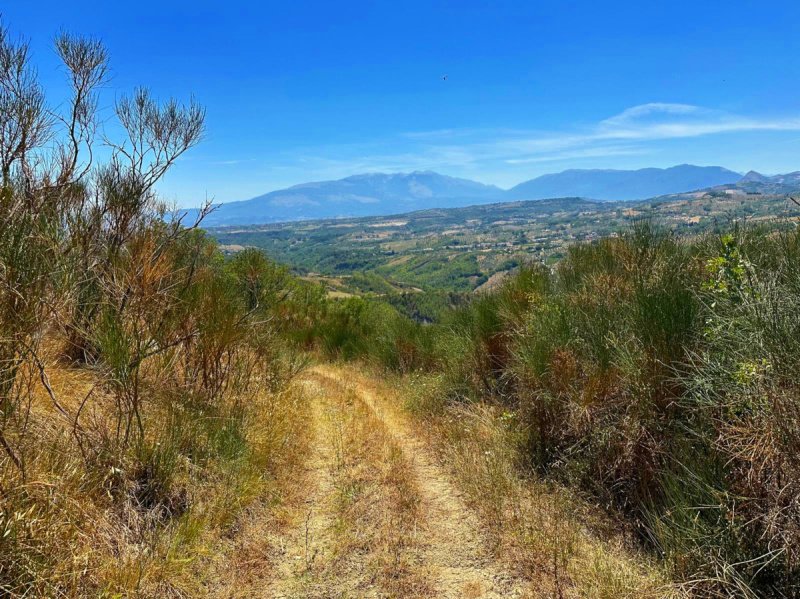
(600, 152)
(502, 155)
(635, 113)
(638, 124)
(663, 121)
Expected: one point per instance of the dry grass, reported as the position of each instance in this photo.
(341, 483)
(75, 528)
(359, 534)
(451, 552)
(541, 531)
(239, 562)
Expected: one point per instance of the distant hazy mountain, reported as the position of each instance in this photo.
(382, 194)
(753, 177)
(623, 185)
(754, 182)
(359, 195)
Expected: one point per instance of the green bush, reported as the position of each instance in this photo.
(660, 376)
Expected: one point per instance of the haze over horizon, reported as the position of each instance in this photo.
(505, 187)
(498, 94)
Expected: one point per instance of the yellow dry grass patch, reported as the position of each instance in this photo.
(541, 532)
(451, 553)
(355, 535)
(71, 527)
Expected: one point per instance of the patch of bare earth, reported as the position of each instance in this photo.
(355, 536)
(370, 514)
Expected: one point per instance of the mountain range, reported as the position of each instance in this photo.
(380, 194)
(623, 185)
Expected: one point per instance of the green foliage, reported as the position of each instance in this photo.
(426, 307)
(99, 283)
(373, 330)
(655, 374)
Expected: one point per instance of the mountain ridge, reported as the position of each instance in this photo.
(612, 184)
(381, 194)
(368, 194)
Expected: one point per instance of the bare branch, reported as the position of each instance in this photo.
(25, 124)
(87, 65)
(157, 134)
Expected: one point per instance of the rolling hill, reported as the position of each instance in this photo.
(754, 182)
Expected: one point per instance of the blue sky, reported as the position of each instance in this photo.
(300, 91)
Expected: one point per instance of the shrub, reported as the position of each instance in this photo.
(165, 352)
(658, 375)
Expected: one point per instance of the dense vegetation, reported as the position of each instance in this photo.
(658, 376)
(142, 376)
(143, 373)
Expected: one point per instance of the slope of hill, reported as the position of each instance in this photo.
(460, 249)
(623, 185)
(754, 182)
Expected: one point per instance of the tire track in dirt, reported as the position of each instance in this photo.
(453, 549)
(354, 534)
(308, 542)
(370, 512)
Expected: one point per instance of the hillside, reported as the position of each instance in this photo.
(754, 182)
(460, 249)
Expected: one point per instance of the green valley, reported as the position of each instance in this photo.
(461, 250)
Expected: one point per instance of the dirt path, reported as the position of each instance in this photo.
(454, 549)
(367, 511)
(306, 541)
(381, 518)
